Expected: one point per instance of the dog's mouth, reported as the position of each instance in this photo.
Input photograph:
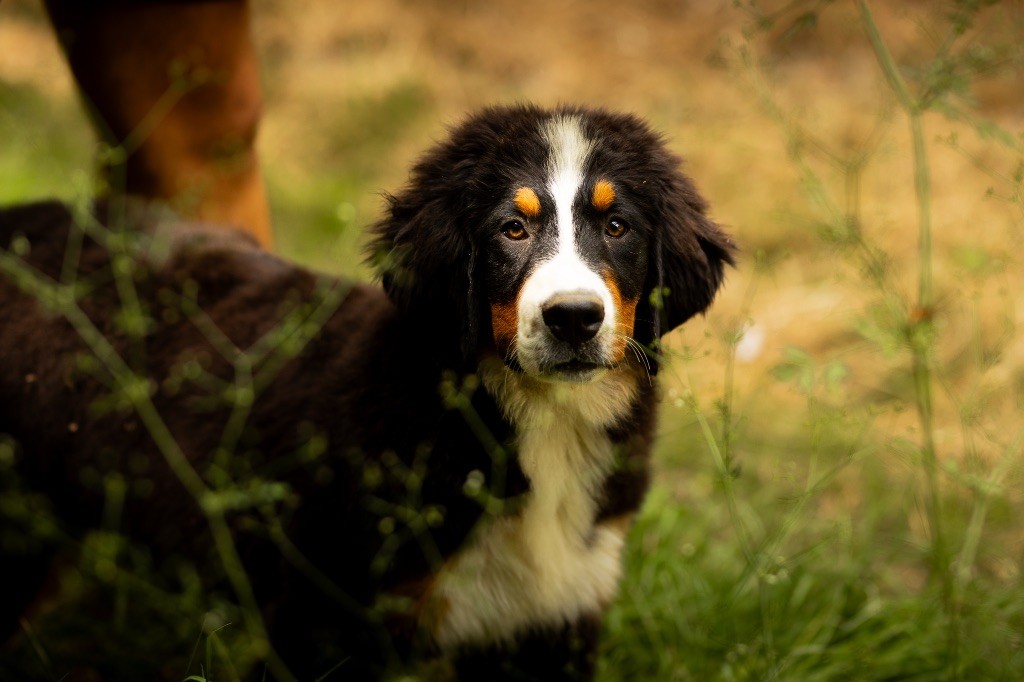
(576, 371)
(550, 360)
(571, 371)
(577, 366)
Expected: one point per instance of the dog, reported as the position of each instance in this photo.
(451, 460)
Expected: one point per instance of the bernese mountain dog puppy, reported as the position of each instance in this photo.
(455, 457)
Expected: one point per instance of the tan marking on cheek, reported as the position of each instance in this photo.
(625, 316)
(505, 323)
(528, 202)
(604, 195)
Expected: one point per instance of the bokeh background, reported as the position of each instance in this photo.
(813, 517)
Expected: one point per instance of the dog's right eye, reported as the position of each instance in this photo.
(514, 230)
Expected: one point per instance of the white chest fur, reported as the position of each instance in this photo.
(549, 563)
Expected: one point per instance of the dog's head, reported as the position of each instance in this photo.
(555, 238)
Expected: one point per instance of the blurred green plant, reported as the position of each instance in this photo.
(741, 577)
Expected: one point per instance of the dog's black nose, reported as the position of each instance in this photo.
(573, 318)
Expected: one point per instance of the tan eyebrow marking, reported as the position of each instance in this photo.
(604, 195)
(528, 202)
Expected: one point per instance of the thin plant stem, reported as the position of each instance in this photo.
(729, 389)
(724, 472)
(985, 491)
(920, 324)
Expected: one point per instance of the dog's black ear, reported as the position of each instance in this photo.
(688, 255)
(424, 253)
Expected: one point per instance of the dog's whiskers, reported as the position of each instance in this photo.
(641, 355)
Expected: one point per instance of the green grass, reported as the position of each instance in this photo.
(783, 586)
(694, 610)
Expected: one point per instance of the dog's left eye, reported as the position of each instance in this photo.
(514, 230)
(616, 228)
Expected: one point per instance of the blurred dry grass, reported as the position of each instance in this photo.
(355, 90)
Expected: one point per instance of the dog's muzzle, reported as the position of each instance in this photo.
(565, 323)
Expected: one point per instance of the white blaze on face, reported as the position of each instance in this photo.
(569, 149)
(564, 272)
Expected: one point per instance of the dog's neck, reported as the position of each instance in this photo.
(549, 561)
